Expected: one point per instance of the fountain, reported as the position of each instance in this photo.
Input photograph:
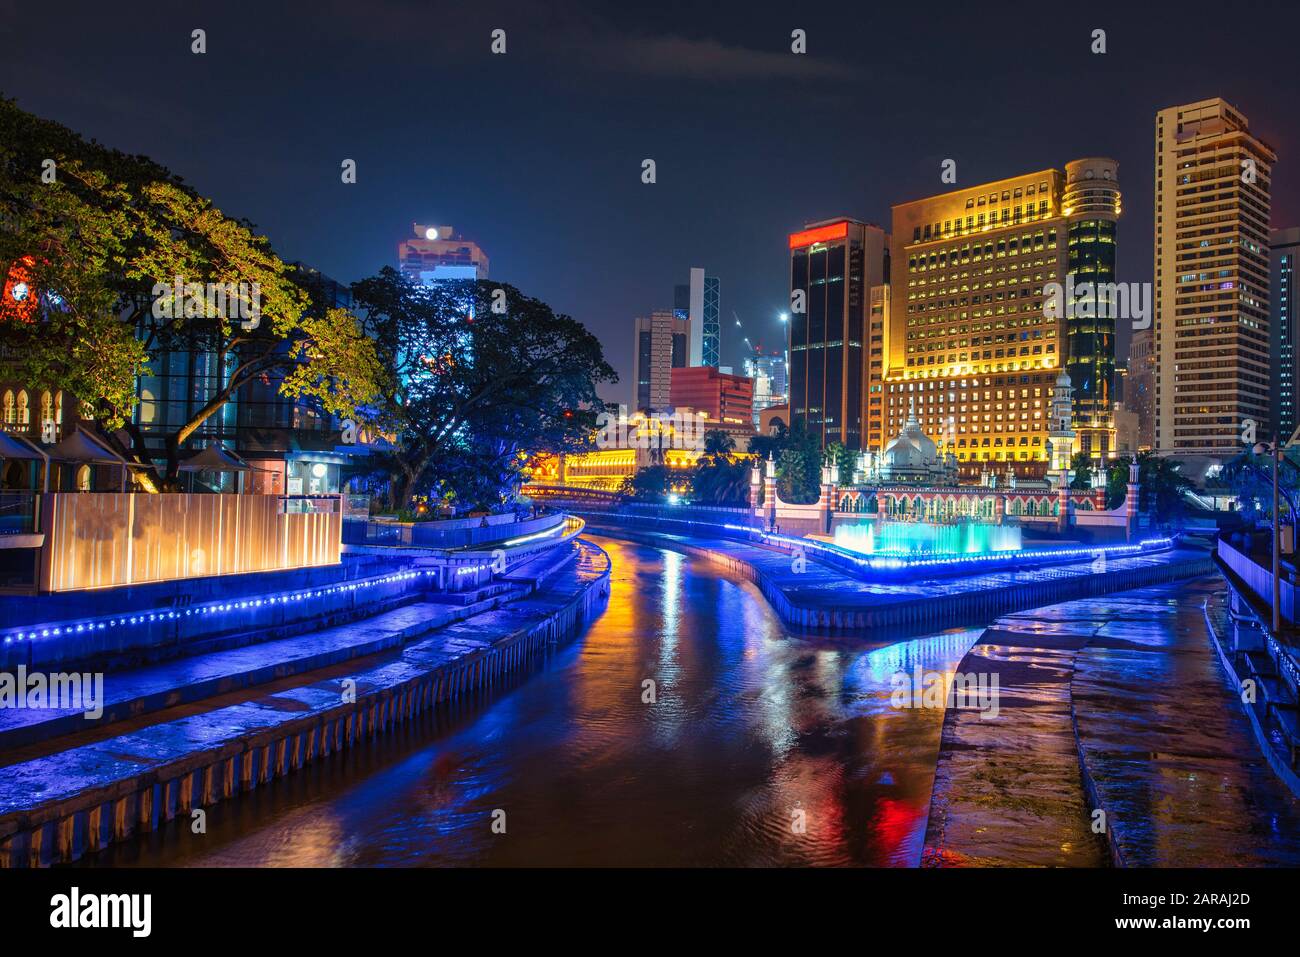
(907, 539)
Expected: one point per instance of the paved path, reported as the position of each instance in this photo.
(1117, 703)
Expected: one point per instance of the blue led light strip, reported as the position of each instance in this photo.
(104, 623)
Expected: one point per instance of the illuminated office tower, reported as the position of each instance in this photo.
(435, 253)
(1211, 280)
(701, 303)
(833, 266)
(877, 347)
(660, 345)
(969, 343)
(1091, 206)
(1140, 391)
(1284, 247)
(769, 375)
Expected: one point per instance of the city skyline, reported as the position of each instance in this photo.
(729, 205)
(686, 438)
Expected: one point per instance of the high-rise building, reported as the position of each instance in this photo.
(1211, 280)
(1091, 206)
(726, 400)
(969, 340)
(769, 375)
(877, 346)
(1140, 390)
(1284, 248)
(700, 301)
(435, 253)
(833, 266)
(660, 345)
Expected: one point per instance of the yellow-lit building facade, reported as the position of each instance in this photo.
(1212, 370)
(968, 342)
(625, 445)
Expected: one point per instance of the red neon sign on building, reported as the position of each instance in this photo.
(821, 234)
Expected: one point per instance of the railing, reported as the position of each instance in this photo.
(104, 539)
(443, 535)
(1258, 579)
(18, 513)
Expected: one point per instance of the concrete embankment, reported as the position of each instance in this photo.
(1116, 741)
(62, 805)
(813, 596)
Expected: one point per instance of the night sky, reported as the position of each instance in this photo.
(536, 155)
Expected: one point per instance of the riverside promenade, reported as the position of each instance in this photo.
(1113, 711)
(178, 736)
(814, 595)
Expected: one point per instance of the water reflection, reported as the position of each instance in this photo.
(750, 731)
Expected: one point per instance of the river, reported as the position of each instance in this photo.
(759, 747)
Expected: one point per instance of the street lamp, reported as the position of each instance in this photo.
(1276, 451)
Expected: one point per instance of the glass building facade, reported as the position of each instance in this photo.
(1091, 205)
(833, 265)
(1284, 247)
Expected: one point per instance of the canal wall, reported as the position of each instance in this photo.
(850, 609)
(60, 807)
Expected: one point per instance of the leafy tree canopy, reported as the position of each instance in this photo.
(477, 376)
(106, 238)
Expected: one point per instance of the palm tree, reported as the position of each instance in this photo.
(1162, 486)
(717, 442)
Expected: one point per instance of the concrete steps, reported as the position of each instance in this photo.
(73, 801)
(136, 692)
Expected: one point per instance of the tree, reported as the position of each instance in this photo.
(1250, 478)
(653, 483)
(111, 239)
(1081, 464)
(1117, 482)
(717, 443)
(840, 455)
(769, 446)
(477, 376)
(718, 479)
(1162, 486)
(798, 467)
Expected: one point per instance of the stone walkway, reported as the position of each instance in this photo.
(1117, 704)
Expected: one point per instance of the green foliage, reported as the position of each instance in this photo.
(1117, 482)
(718, 442)
(650, 484)
(839, 454)
(717, 479)
(768, 446)
(470, 390)
(1083, 469)
(1250, 478)
(798, 467)
(1162, 487)
(109, 237)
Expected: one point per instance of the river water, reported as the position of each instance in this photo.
(759, 748)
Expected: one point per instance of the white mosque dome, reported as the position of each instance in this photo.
(911, 449)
